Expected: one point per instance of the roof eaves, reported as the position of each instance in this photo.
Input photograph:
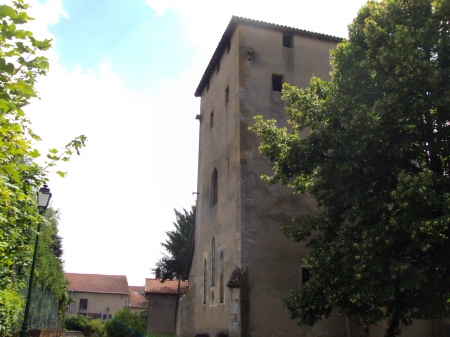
(235, 20)
(98, 292)
(163, 293)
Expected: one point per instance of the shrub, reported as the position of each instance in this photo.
(92, 328)
(126, 324)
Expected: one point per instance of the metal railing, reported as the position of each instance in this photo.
(44, 310)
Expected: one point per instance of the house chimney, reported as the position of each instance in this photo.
(158, 272)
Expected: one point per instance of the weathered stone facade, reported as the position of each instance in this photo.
(243, 266)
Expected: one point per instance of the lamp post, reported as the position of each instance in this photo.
(43, 197)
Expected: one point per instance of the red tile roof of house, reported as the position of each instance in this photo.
(95, 283)
(168, 287)
(137, 299)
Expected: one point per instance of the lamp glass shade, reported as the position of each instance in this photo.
(44, 196)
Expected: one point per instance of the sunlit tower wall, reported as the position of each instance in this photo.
(238, 215)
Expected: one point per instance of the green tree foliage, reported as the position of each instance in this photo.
(11, 302)
(377, 160)
(126, 324)
(21, 63)
(177, 244)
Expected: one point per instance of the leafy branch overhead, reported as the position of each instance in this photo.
(376, 158)
(21, 63)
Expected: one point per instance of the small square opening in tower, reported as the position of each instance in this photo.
(305, 275)
(288, 40)
(227, 95)
(277, 82)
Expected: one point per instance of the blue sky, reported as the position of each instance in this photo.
(124, 73)
(144, 48)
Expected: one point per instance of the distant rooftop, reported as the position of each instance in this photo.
(235, 20)
(137, 299)
(96, 283)
(168, 287)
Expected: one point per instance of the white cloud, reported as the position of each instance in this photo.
(118, 199)
(44, 14)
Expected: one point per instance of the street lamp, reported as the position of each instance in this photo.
(43, 197)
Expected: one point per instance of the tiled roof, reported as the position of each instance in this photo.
(95, 283)
(137, 299)
(169, 287)
(235, 20)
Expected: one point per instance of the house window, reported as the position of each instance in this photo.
(211, 119)
(213, 262)
(214, 189)
(204, 282)
(277, 82)
(83, 303)
(104, 316)
(221, 280)
(227, 95)
(288, 40)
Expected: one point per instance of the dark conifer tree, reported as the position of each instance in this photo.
(177, 244)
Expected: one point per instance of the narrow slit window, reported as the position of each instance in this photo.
(213, 262)
(214, 188)
(288, 40)
(204, 281)
(221, 280)
(228, 46)
(277, 82)
(227, 95)
(218, 67)
(211, 119)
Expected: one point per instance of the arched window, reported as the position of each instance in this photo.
(214, 188)
(221, 285)
(204, 281)
(213, 262)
